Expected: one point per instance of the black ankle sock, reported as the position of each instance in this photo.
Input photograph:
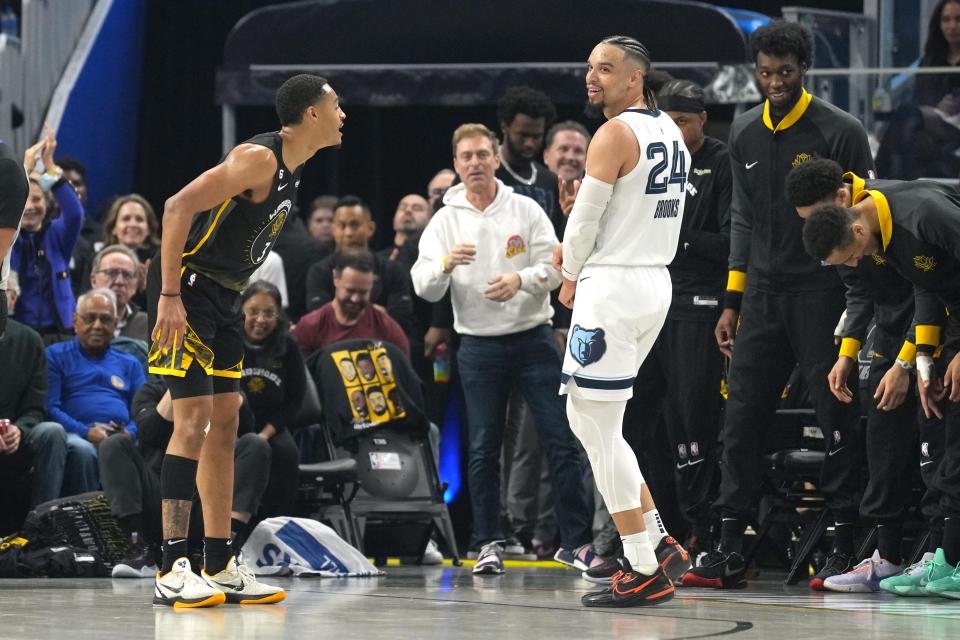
(216, 554)
(173, 550)
(239, 531)
(936, 540)
(843, 538)
(888, 542)
(951, 540)
(132, 524)
(731, 535)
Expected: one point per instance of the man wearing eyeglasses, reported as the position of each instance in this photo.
(92, 384)
(91, 387)
(116, 267)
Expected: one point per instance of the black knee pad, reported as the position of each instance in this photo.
(178, 478)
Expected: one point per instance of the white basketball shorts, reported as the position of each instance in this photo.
(617, 315)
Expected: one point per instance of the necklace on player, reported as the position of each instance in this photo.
(527, 181)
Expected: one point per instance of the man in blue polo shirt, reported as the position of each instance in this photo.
(92, 384)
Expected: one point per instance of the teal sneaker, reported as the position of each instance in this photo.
(912, 582)
(944, 579)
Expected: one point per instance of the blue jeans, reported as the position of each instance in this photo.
(48, 441)
(489, 368)
(82, 471)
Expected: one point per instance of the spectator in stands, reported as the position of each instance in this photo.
(23, 401)
(273, 379)
(350, 314)
(299, 251)
(14, 189)
(438, 186)
(41, 254)
(132, 222)
(117, 268)
(76, 174)
(566, 150)
(487, 245)
(353, 226)
(566, 155)
(409, 220)
(81, 263)
(130, 473)
(924, 135)
(91, 383)
(524, 115)
(320, 221)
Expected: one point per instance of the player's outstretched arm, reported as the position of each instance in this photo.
(248, 168)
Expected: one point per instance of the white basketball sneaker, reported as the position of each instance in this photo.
(242, 587)
(182, 588)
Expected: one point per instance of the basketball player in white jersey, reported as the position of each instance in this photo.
(621, 234)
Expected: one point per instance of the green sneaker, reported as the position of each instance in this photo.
(943, 579)
(912, 581)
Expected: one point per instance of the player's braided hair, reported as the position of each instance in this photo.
(635, 49)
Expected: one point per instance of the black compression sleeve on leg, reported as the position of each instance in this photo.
(178, 478)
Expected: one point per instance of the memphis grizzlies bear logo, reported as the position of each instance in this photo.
(587, 345)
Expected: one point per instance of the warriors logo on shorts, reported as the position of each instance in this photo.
(925, 449)
(587, 345)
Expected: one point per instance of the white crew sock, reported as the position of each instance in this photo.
(639, 553)
(655, 528)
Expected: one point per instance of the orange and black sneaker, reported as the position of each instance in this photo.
(632, 589)
(673, 558)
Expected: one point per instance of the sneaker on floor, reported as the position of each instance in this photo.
(603, 573)
(513, 547)
(240, 585)
(632, 589)
(182, 588)
(431, 555)
(717, 570)
(582, 558)
(865, 577)
(490, 559)
(836, 564)
(912, 582)
(138, 562)
(544, 550)
(943, 579)
(673, 558)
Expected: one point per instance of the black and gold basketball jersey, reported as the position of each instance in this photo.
(229, 242)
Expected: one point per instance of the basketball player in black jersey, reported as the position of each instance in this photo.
(193, 294)
(13, 198)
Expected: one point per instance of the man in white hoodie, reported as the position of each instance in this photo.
(492, 248)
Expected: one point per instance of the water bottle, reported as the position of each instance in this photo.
(441, 363)
(9, 23)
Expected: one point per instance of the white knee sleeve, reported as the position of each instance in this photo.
(599, 427)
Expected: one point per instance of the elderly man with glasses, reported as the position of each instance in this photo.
(91, 383)
(117, 268)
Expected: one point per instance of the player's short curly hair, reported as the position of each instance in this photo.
(296, 94)
(828, 229)
(525, 100)
(781, 38)
(813, 181)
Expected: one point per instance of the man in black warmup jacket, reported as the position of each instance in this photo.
(772, 288)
